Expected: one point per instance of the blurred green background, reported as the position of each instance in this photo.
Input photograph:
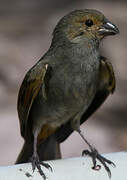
(25, 34)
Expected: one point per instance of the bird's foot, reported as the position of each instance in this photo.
(94, 154)
(37, 164)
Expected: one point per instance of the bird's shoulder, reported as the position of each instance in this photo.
(107, 75)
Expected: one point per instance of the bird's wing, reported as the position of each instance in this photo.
(29, 89)
(106, 87)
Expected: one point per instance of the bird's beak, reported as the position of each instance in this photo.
(108, 29)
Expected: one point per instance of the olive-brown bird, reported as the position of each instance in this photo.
(65, 86)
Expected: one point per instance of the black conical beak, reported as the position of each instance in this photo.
(108, 29)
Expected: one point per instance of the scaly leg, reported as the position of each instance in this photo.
(35, 159)
(94, 154)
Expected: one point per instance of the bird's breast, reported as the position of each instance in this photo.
(74, 84)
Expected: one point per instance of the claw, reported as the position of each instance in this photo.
(95, 155)
(97, 167)
(103, 160)
(85, 152)
(36, 164)
(108, 161)
(46, 165)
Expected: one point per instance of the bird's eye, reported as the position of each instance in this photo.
(89, 22)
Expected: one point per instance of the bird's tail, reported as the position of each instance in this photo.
(47, 150)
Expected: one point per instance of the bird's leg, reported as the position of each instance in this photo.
(94, 154)
(35, 159)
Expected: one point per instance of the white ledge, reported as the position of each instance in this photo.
(78, 168)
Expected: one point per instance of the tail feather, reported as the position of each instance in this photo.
(47, 150)
(25, 154)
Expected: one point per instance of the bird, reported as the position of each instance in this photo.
(65, 87)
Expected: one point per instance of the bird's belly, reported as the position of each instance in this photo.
(70, 98)
(81, 94)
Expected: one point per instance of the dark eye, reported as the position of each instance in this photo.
(89, 22)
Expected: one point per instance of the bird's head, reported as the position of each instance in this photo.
(82, 25)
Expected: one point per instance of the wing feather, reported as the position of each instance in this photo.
(29, 89)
